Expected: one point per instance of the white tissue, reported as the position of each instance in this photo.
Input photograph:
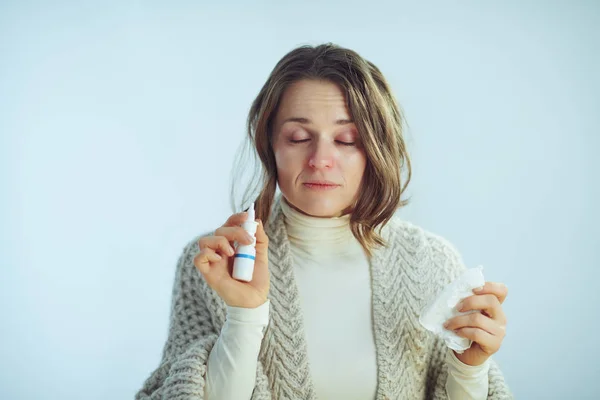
(444, 307)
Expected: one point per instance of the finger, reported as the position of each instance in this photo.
(235, 233)
(262, 239)
(203, 259)
(236, 219)
(496, 288)
(483, 302)
(261, 275)
(475, 320)
(488, 343)
(216, 243)
(262, 247)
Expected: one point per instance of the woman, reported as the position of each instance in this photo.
(339, 281)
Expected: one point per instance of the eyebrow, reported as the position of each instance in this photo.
(303, 120)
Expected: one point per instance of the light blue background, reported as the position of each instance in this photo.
(118, 127)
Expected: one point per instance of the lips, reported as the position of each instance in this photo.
(321, 183)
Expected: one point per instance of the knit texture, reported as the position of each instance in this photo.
(411, 362)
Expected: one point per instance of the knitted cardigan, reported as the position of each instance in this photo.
(411, 362)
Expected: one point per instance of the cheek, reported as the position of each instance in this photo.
(289, 165)
(281, 159)
(354, 167)
(288, 159)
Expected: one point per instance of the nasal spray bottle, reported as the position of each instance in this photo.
(243, 263)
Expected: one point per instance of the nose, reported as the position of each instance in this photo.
(322, 156)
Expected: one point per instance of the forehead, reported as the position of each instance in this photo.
(312, 98)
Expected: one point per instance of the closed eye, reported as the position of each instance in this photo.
(337, 141)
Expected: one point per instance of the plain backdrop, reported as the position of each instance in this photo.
(118, 127)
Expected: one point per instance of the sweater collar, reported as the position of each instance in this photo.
(316, 236)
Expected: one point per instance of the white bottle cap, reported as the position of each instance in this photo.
(251, 216)
(250, 225)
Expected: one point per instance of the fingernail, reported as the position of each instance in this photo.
(218, 256)
(459, 306)
(446, 324)
(230, 251)
(478, 289)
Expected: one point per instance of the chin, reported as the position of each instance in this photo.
(320, 208)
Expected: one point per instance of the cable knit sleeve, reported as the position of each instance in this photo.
(195, 322)
(450, 262)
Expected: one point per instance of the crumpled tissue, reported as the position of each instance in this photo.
(443, 307)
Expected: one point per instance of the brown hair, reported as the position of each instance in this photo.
(376, 115)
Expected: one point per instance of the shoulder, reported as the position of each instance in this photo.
(437, 255)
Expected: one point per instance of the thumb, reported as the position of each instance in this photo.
(262, 243)
(261, 276)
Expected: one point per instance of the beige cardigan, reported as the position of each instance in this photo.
(411, 362)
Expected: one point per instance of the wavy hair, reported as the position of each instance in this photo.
(376, 114)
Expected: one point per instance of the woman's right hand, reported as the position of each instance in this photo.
(215, 263)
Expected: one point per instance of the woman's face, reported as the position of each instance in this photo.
(320, 160)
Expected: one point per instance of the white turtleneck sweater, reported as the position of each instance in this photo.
(333, 277)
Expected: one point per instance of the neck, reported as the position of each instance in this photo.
(319, 236)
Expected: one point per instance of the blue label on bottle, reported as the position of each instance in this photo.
(245, 256)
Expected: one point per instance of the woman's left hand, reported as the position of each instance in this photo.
(486, 328)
